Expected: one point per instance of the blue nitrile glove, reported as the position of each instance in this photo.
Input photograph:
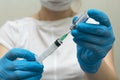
(27, 68)
(93, 41)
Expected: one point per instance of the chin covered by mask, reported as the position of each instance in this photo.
(56, 5)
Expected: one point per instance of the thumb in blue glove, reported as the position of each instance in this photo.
(93, 41)
(13, 69)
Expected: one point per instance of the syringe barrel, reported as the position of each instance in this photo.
(49, 50)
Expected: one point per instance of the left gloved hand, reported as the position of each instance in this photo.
(93, 41)
(12, 68)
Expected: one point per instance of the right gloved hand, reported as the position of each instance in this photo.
(94, 41)
(26, 69)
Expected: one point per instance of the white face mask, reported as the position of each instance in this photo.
(56, 5)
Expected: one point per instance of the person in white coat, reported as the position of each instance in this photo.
(91, 59)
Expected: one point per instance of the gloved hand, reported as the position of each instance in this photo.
(93, 41)
(12, 68)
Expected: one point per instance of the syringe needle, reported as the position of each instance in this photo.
(68, 32)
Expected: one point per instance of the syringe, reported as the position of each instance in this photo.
(51, 48)
(84, 17)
